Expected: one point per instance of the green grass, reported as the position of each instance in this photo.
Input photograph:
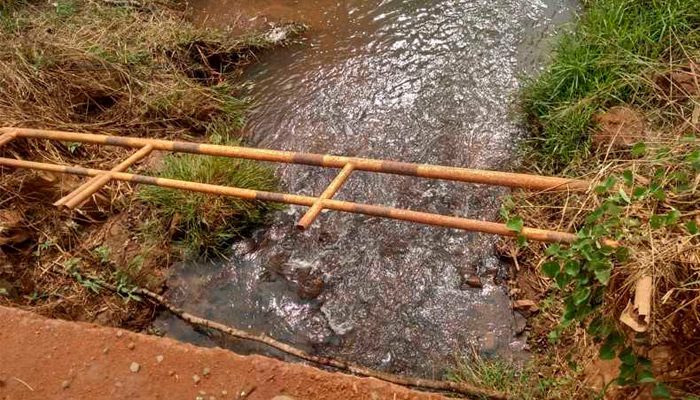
(523, 383)
(206, 223)
(609, 58)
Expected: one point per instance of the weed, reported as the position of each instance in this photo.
(207, 222)
(522, 382)
(102, 253)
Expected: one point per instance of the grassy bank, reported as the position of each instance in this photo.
(619, 104)
(123, 68)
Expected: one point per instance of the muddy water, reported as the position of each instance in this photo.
(421, 81)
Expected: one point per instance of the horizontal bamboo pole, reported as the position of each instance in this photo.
(83, 193)
(330, 191)
(533, 182)
(337, 205)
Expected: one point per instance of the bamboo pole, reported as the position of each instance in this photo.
(81, 194)
(6, 138)
(308, 201)
(533, 182)
(330, 191)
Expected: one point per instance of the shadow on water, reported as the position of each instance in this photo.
(421, 81)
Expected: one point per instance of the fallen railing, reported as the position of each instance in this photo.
(347, 166)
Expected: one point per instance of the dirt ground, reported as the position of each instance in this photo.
(53, 359)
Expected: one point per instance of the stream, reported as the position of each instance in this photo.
(428, 81)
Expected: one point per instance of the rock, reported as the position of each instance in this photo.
(131, 346)
(224, 392)
(65, 384)
(620, 127)
(105, 350)
(525, 305)
(473, 281)
(283, 397)
(196, 379)
(488, 342)
(206, 371)
(159, 359)
(134, 367)
(120, 334)
(520, 323)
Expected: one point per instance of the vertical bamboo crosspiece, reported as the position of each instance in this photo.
(7, 138)
(77, 197)
(330, 191)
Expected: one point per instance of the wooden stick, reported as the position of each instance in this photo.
(447, 221)
(510, 179)
(81, 194)
(462, 388)
(330, 191)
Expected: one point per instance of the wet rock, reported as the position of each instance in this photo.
(620, 127)
(488, 342)
(135, 367)
(520, 323)
(472, 281)
(525, 306)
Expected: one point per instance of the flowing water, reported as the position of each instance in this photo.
(428, 81)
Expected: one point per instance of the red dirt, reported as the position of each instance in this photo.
(53, 359)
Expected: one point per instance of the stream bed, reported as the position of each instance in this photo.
(419, 81)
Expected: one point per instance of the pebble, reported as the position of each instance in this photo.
(283, 397)
(120, 333)
(171, 372)
(159, 359)
(131, 346)
(105, 350)
(224, 392)
(134, 367)
(206, 371)
(196, 379)
(65, 384)
(202, 393)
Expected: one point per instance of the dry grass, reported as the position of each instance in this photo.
(136, 68)
(656, 227)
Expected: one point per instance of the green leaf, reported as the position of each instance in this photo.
(515, 224)
(628, 177)
(562, 280)
(657, 221)
(639, 149)
(553, 249)
(581, 295)
(624, 196)
(639, 192)
(550, 269)
(572, 268)
(660, 391)
(606, 186)
(692, 227)
(646, 377)
(553, 336)
(627, 357)
(607, 351)
(673, 217)
(603, 275)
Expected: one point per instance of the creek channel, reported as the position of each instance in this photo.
(429, 81)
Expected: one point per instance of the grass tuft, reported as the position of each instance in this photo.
(204, 224)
